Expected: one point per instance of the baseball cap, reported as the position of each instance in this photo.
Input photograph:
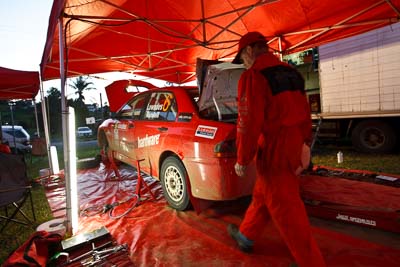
(248, 39)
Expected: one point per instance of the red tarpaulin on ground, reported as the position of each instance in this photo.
(163, 38)
(157, 235)
(17, 84)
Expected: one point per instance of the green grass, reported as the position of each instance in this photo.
(16, 234)
(352, 160)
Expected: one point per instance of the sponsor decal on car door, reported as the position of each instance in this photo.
(127, 128)
(160, 112)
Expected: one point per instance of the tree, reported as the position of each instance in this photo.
(53, 100)
(80, 85)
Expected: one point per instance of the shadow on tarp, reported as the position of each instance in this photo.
(158, 235)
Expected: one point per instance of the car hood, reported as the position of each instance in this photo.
(118, 95)
(220, 87)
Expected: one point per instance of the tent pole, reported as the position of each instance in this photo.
(36, 117)
(71, 205)
(11, 104)
(45, 125)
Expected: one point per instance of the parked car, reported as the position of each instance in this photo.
(84, 132)
(17, 138)
(192, 153)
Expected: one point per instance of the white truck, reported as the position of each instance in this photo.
(358, 89)
(353, 86)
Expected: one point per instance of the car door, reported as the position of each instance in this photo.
(125, 130)
(154, 127)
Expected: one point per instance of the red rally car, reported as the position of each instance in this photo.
(187, 141)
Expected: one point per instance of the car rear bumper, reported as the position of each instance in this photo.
(215, 178)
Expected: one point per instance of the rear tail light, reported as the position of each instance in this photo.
(225, 149)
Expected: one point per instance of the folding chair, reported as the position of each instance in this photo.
(39, 147)
(15, 190)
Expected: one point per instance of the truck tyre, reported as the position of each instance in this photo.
(174, 185)
(374, 136)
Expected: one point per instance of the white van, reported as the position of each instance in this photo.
(22, 138)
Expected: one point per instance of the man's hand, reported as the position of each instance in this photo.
(240, 169)
(305, 159)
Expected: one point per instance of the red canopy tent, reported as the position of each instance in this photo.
(163, 38)
(16, 84)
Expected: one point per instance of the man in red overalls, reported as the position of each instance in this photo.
(274, 125)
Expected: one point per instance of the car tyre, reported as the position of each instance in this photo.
(174, 184)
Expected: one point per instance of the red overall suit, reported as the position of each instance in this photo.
(273, 127)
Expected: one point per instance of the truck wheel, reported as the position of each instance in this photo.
(374, 136)
(173, 181)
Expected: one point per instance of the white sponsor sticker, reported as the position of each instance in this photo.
(387, 178)
(348, 218)
(152, 115)
(206, 131)
(151, 140)
(122, 126)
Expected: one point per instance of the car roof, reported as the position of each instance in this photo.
(160, 89)
(10, 127)
(118, 94)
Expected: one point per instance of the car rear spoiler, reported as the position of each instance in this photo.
(118, 94)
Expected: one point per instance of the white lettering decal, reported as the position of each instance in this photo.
(155, 107)
(148, 140)
(152, 115)
(355, 219)
(206, 131)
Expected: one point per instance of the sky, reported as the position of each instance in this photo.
(23, 30)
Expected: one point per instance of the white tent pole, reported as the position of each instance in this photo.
(72, 210)
(36, 117)
(45, 125)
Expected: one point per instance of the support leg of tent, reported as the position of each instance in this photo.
(45, 125)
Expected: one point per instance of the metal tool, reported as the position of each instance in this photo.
(94, 248)
(99, 256)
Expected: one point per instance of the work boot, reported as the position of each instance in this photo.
(244, 244)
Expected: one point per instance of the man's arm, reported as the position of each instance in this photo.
(251, 105)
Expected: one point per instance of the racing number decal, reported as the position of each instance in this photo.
(160, 105)
(167, 102)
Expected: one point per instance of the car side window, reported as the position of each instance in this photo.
(161, 107)
(134, 108)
